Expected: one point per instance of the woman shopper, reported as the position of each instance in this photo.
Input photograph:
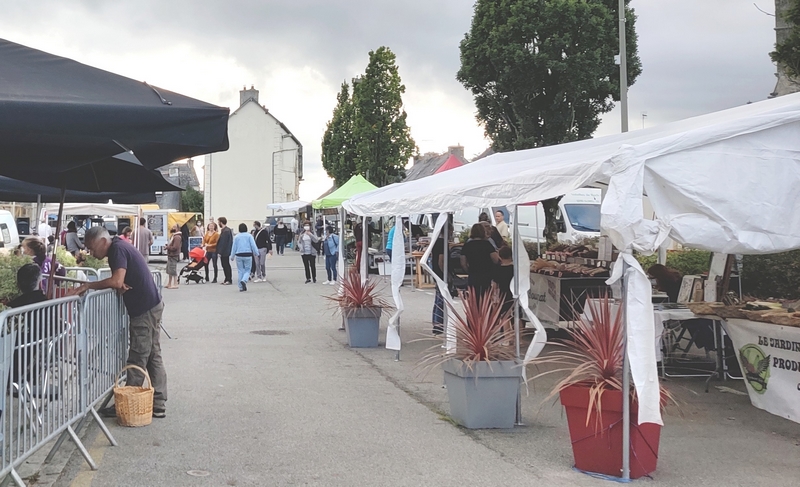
(173, 256)
(126, 234)
(35, 248)
(73, 242)
(281, 233)
(243, 250)
(479, 257)
(308, 252)
(210, 240)
(224, 246)
(330, 248)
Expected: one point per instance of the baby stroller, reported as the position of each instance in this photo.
(192, 270)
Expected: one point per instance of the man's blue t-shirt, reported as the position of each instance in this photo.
(143, 293)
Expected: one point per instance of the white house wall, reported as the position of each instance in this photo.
(239, 181)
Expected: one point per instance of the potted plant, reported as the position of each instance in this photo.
(361, 308)
(591, 393)
(482, 375)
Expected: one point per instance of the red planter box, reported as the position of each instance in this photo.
(601, 451)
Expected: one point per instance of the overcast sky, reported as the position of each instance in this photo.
(698, 56)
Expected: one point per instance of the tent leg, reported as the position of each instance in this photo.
(626, 381)
(364, 249)
(412, 267)
(515, 251)
(51, 291)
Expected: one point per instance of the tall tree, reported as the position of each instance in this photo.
(383, 139)
(787, 45)
(192, 201)
(338, 143)
(542, 71)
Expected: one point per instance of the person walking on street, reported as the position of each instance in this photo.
(173, 256)
(73, 242)
(244, 248)
(319, 226)
(224, 247)
(306, 243)
(296, 231)
(144, 239)
(210, 240)
(281, 233)
(479, 257)
(264, 246)
(330, 248)
(131, 277)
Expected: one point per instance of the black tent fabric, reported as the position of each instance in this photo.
(24, 192)
(58, 115)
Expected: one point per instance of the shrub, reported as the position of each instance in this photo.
(772, 276)
(9, 264)
(687, 262)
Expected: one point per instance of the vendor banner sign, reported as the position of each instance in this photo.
(544, 297)
(769, 356)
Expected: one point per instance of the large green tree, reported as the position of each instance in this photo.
(383, 138)
(542, 72)
(787, 49)
(338, 143)
(192, 201)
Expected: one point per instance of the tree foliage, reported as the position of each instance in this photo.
(338, 144)
(542, 71)
(192, 201)
(368, 133)
(787, 52)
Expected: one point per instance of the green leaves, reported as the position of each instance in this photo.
(787, 50)
(542, 71)
(368, 133)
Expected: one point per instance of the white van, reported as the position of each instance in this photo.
(578, 217)
(9, 238)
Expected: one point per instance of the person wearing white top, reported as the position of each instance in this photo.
(44, 231)
(501, 225)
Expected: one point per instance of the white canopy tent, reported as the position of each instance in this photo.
(288, 205)
(726, 182)
(93, 209)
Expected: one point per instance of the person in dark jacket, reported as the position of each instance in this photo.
(185, 241)
(264, 245)
(281, 233)
(224, 246)
(479, 257)
(28, 278)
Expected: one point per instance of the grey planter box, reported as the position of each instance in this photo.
(484, 396)
(362, 326)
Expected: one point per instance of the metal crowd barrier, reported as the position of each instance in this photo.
(90, 273)
(157, 279)
(58, 360)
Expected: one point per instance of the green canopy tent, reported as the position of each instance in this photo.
(355, 185)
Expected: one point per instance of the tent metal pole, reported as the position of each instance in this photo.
(51, 291)
(364, 249)
(412, 268)
(626, 381)
(538, 239)
(626, 366)
(515, 254)
(445, 273)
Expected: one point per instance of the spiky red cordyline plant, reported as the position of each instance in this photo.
(480, 331)
(355, 294)
(593, 355)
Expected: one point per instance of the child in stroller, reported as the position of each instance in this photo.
(198, 262)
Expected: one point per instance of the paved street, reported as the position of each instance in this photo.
(298, 407)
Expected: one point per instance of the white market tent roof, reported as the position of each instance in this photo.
(727, 182)
(707, 172)
(93, 209)
(288, 206)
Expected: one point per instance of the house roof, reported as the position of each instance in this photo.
(267, 112)
(428, 164)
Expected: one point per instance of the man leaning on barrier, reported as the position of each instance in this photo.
(131, 278)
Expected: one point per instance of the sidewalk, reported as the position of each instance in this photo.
(293, 405)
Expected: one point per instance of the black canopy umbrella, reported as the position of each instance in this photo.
(22, 191)
(58, 115)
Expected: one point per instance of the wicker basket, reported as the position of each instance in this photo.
(134, 404)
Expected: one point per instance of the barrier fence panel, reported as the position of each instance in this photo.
(41, 395)
(90, 273)
(104, 273)
(158, 280)
(58, 359)
(106, 325)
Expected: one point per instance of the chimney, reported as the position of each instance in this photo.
(246, 94)
(457, 150)
(190, 163)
